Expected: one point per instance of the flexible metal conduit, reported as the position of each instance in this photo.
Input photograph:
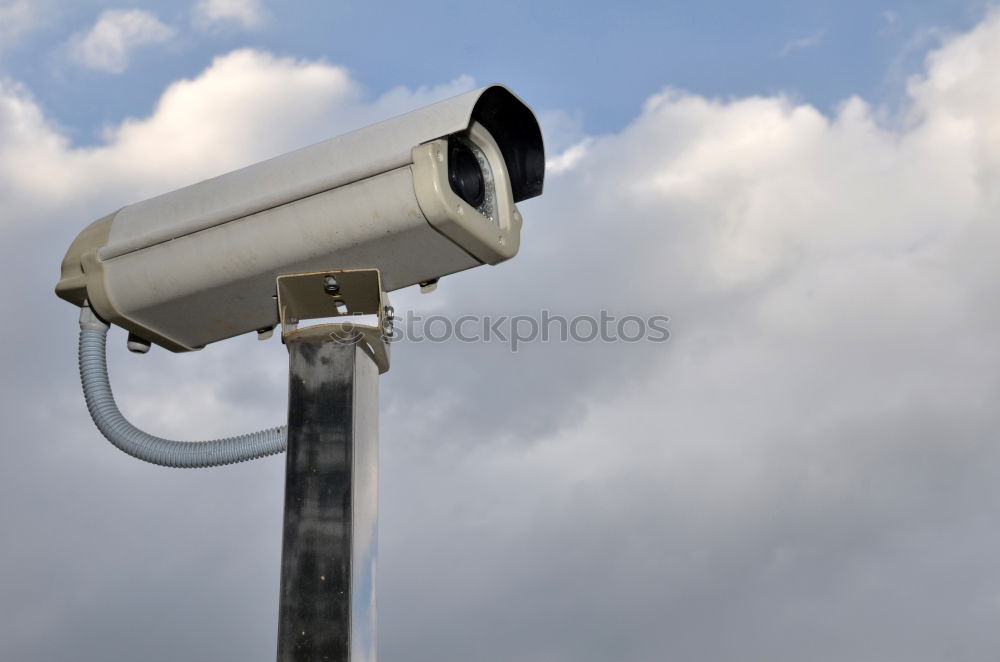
(144, 446)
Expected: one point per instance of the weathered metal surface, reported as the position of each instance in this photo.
(338, 293)
(309, 295)
(327, 602)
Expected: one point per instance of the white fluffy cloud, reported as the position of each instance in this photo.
(244, 107)
(247, 14)
(109, 44)
(806, 471)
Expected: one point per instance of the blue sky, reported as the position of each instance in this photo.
(805, 471)
(598, 61)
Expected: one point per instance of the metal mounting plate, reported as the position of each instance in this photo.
(338, 293)
(305, 296)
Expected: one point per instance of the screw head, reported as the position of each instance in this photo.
(330, 284)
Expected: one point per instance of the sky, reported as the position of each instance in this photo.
(807, 469)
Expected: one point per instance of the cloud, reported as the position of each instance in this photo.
(109, 44)
(568, 158)
(213, 14)
(805, 471)
(801, 43)
(201, 127)
(561, 129)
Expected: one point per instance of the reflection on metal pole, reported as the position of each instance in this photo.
(327, 602)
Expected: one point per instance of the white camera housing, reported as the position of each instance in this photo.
(199, 264)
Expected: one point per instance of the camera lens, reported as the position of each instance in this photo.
(464, 173)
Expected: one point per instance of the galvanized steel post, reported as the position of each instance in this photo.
(329, 545)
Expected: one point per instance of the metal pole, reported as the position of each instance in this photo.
(329, 545)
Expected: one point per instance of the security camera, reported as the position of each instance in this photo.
(404, 202)
(417, 197)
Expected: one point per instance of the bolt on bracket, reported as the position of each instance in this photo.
(344, 293)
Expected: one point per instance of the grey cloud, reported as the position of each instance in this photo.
(805, 471)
